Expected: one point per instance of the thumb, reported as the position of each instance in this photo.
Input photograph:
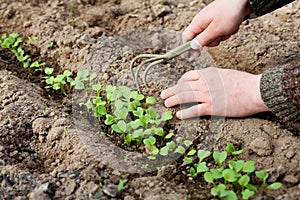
(205, 38)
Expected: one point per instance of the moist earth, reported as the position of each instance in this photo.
(45, 153)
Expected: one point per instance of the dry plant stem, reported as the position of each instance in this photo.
(155, 59)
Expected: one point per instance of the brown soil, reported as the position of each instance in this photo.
(48, 152)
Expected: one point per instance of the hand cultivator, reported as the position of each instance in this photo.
(154, 59)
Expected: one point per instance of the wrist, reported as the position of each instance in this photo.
(260, 104)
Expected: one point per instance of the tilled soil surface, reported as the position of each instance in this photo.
(45, 154)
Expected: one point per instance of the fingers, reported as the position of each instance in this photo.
(193, 75)
(186, 97)
(194, 111)
(182, 87)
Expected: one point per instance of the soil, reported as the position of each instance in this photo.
(48, 152)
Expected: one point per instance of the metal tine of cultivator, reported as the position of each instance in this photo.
(155, 59)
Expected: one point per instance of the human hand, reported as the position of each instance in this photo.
(220, 92)
(216, 22)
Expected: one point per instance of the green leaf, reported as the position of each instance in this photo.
(152, 112)
(125, 91)
(220, 157)
(121, 184)
(49, 71)
(167, 115)
(236, 153)
(79, 85)
(116, 129)
(171, 145)
(216, 190)
(249, 166)
(148, 131)
(229, 175)
(121, 113)
(164, 151)
(170, 135)
(159, 131)
(187, 160)
(100, 111)
(180, 149)
(208, 177)
(109, 92)
(67, 73)
(139, 112)
(122, 125)
(244, 180)
(109, 120)
(193, 172)
(192, 152)
(136, 96)
(202, 167)
(263, 175)
(97, 87)
(179, 140)
(230, 195)
(202, 154)
(93, 76)
(237, 166)
(274, 186)
(150, 141)
(128, 139)
(217, 173)
(251, 187)
(150, 100)
(89, 105)
(187, 143)
(137, 133)
(82, 75)
(246, 194)
(154, 150)
(229, 147)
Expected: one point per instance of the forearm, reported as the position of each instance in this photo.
(261, 7)
(280, 90)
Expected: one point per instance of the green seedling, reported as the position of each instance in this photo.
(232, 181)
(121, 184)
(230, 149)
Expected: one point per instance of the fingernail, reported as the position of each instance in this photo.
(178, 114)
(163, 94)
(195, 44)
(167, 104)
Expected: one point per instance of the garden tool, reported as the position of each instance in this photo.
(154, 59)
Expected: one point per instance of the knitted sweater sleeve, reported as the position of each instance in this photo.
(280, 90)
(261, 7)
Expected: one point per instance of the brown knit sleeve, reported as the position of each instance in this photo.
(280, 90)
(261, 7)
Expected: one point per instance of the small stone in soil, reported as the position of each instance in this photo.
(110, 189)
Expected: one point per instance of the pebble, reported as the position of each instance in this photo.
(110, 189)
(290, 154)
(180, 5)
(55, 133)
(2, 148)
(291, 179)
(161, 10)
(2, 163)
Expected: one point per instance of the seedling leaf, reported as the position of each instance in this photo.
(150, 100)
(249, 166)
(220, 157)
(167, 115)
(164, 151)
(208, 177)
(202, 154)
(274, 186)
(180, 149)
(246, 194)
(229, 175)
